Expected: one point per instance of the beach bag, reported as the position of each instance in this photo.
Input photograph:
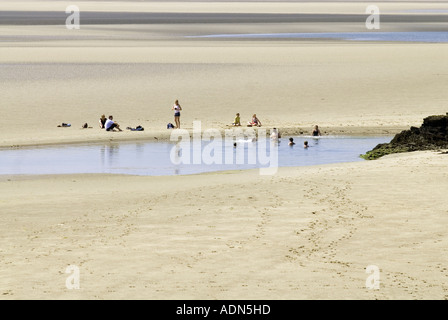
(170, 126)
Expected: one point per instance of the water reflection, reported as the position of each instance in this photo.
(109, 154)
(139, 149)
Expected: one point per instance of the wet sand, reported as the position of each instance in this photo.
(113, 18)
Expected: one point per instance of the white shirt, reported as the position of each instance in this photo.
(108, 124)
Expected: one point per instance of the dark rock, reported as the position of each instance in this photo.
(432, 135)
(435, 122)
(415, 130)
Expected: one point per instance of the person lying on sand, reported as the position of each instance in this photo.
(138, 128)
(110, 125)
(255, 122)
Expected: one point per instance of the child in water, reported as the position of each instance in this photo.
(291, 142)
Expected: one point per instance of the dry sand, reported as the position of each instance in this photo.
(212, 6)
(303, 233)
(288, 85)
(50, 75)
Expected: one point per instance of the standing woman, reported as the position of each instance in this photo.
(177, 108)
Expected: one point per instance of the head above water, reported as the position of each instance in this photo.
(291, 139)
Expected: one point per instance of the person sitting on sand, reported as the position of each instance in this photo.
(110, 125)
(316, 131)
(102, 121)
(255, 122)
(291, 142)
(237, 121)
(305, 145)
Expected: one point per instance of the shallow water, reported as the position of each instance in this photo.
(427, 37)
(153, 158)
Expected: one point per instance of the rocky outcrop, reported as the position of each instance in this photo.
(432, 135)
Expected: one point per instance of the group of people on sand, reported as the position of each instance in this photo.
(108, 123)
(255, 122)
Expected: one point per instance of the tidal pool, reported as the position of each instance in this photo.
(159, 158)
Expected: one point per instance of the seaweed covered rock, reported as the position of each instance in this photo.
(432, 135)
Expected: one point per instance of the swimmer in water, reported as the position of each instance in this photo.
(291, 142)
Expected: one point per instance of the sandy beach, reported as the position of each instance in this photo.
(303, 233)
(292, 87)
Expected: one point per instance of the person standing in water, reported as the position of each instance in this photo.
(275, 135)
(177, 108)
(316, 131)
